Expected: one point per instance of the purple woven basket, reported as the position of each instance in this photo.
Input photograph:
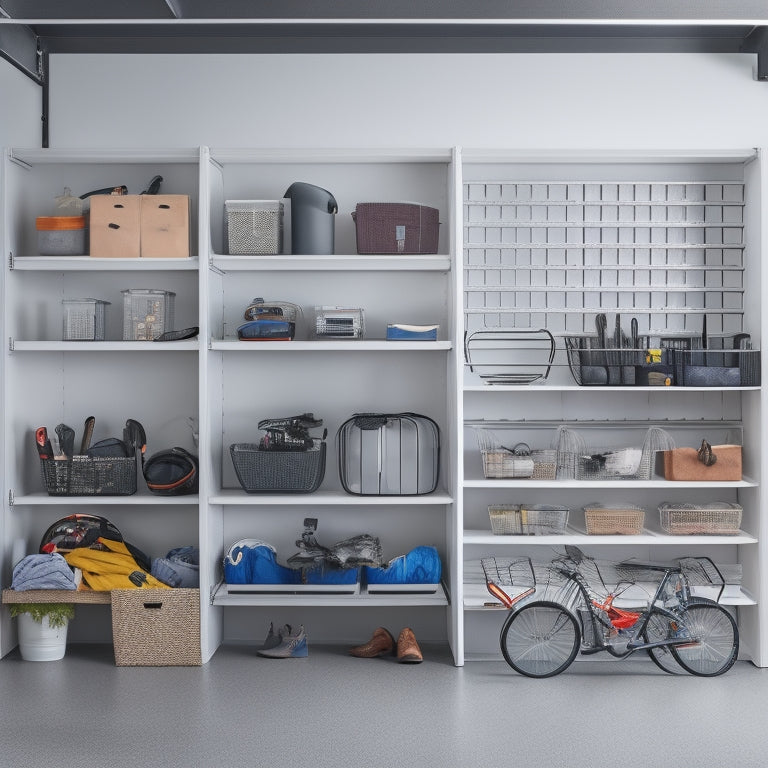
(396, 228)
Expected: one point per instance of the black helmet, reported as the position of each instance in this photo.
(78, 530)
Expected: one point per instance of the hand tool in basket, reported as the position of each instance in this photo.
(66, 437)
(289, 433)
(44, 447)
(85, 443)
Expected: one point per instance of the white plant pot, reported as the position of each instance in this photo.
(39, 641)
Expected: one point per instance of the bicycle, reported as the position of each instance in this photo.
(574, 611)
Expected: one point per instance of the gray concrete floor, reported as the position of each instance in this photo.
(334, 710)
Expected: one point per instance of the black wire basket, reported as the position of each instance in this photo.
(90, 476)
(260, 471)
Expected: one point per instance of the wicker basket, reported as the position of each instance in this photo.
(156, 627)
(625, 519)
(528, 520)
(720, 518)
(278, 471)
(501, 464)
(89, 476)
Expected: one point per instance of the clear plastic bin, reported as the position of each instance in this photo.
(147, 313)
(83, 319)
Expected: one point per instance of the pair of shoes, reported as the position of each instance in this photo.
(382, 643)
(285, 644)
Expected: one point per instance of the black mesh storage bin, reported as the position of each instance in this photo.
(260, 471)
(89, 476)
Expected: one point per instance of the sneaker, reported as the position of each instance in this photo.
(275, 638)
(292, 646)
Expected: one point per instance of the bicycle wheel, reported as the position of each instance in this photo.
(540, 640)
(716, 640)
(662, 626)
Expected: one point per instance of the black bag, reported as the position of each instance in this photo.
(173, 472)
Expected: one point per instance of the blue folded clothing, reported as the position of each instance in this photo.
(251, 561)
(179, 568)
(42, 572)
(419, 566)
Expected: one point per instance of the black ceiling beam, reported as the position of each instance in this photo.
(19, 46)
(400, 37)
(757, 42)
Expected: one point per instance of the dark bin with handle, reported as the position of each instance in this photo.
(389, 454)
(313, 219)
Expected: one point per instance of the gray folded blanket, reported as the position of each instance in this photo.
(43, 572)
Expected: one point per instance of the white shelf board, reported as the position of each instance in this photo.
(90, 264)
(477, 482)
(576, 388)
(315, 599)
(149, 156)
(335, 263)
(340, 345)
(188, 345)
(301, 156)
(581, 538)
(42, 499)
(325, 498)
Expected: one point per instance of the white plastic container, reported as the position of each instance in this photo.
(39, 641)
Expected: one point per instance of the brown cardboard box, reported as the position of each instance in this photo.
(115, 229)
(164, 226)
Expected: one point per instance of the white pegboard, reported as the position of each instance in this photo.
(555, 254)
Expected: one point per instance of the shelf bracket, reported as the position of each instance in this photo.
(10, 260)
(11, 498)
(10, 343)
(757, 42)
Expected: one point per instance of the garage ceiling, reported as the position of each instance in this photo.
(31, 29)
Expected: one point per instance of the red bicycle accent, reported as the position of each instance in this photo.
(619, 618)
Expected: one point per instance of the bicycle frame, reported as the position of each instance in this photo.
(596, 623)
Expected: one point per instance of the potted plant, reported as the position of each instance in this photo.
(42, 629)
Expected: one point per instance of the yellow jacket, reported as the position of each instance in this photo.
(110, 568)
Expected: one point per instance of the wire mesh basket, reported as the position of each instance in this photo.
(528, 519)
(503, 462)
(576, 461)
(622, 519)
(264, 471)
(90, 476)
(254, 226)
(339, 322)
(720, 518)
(509, 571)
(510, 355)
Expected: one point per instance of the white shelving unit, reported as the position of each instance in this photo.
(549, 242)
(331, 378)
(589, 238)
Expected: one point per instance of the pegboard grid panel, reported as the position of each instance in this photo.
(554, 254)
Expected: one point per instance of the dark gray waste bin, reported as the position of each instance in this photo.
(313, 216)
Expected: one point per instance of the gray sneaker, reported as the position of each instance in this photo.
(292, 646)
(273, 638)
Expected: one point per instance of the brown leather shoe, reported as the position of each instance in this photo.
(380, 644)
(408, 651)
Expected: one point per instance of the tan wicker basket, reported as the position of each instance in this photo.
(625, 519)
(156, 627)
(502, 464)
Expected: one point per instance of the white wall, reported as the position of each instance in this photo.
(20, 108)
(515, 100)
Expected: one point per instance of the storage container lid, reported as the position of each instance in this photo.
(49, 223)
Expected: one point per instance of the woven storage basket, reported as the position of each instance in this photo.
(721, 518)
(278, 471)
(156, 627)
(544, 464)
(626, 519)
(396, 228)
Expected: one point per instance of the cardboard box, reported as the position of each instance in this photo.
(146, 226)
(115, 229)
(164, 226)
